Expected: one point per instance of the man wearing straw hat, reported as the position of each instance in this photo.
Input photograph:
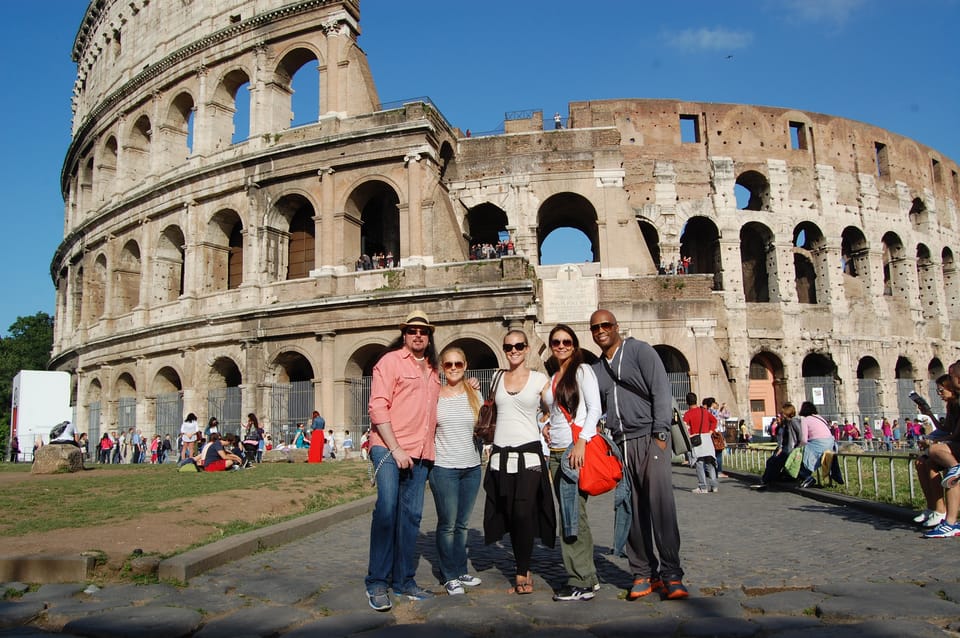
(403, 417)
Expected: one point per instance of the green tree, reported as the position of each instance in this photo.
(26, 348)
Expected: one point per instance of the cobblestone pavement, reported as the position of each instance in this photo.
(757, 564)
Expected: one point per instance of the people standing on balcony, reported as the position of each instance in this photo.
(403, 416)
(518, 498)
(557, 121)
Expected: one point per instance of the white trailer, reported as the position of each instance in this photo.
(41, 399)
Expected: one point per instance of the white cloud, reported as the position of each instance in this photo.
(835, 12)
(703, 39)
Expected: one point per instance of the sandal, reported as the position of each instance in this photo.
(524, 584)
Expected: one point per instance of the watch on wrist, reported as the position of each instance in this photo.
(660, 436)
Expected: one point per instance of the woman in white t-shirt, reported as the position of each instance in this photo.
(188, 435)
(519, 500)
(455, 477)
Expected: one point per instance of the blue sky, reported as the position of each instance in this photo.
(891, 63)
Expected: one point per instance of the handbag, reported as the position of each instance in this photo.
(602, 469)
(696, 440)
(719, 443)
(486, 425)
(794, 461)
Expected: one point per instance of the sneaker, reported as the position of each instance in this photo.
(596, 587)
(714, 489)
(944, 530)
(922, 516)
(379, 600)
(469, 581)
(934, 519)
(454, 587)
(574, 593)
(700, 490)
(417, 593)
(644, 587)
(950, 477)
(675, 590)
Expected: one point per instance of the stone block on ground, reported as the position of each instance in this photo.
(292, 455)
(53, 459)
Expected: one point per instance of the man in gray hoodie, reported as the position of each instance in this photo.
(639, 407)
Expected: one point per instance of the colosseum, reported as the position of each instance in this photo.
(212, 252)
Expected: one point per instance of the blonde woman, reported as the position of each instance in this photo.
(455, 477)
(519, 500)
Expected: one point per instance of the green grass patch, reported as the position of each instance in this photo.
(116, 493)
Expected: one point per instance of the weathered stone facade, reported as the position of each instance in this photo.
(198, 267)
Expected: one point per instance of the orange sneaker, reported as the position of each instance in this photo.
(674, 590)
(644, 587)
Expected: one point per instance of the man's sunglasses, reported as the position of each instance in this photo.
(603, 325)
(424, 332)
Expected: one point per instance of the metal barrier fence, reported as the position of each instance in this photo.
(877, 476)
(290, 403)
(225, 405)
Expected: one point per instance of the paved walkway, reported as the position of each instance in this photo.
(757, 564)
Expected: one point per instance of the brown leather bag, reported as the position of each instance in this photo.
(486, 425)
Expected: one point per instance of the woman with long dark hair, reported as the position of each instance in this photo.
(573, 399)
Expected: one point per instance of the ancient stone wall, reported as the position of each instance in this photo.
(221, 274)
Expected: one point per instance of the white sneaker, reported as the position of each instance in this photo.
(469, 581)
(934, 519)
(922, 516)
(454, 587)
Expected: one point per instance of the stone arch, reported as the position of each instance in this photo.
(166, 381)
(360, 363)
(224, 250)
(85, 182)
(918, 213)
(894, 265)
(125, 386)
(291, 237)
(568, 210)
(951, 282)
(373, 207)
(97, 288)
(94, 391)
(177, 130)
(224, 373)
(926, 282)
(810, 261)
(820, 379)
(652, 239)
(700, 241)
(766, 391)
(678, 371)
(76, 292)
(295, 75)
(480, 354)
(136, 152)
(107, 168)
(757, 253)
(905, 373)
(168, 265)
(869, 377)
(223, 108)
(755, 193)
(291, 366)
(485, 222)
(855, 262)
(448, 161)
(127, 278)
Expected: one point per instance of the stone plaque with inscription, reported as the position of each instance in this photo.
(569, 298)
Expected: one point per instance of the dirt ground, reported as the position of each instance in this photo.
(160, 533)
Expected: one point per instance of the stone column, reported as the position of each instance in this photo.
(326, 259)
(411, 250)
(323, 387)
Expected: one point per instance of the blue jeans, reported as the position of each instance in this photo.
(395, 524)
(454, 492)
